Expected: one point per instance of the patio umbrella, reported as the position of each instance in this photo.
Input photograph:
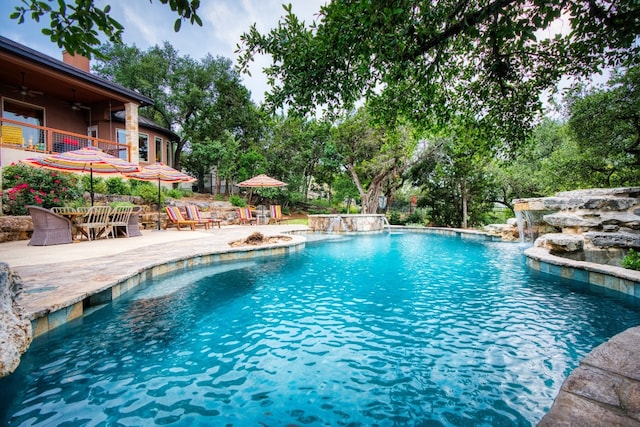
(262, 181)
(87, 159)
(161, 173)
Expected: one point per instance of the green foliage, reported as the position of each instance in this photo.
(99, 184)
(175, 193)
(604, 125)
(76, 26)
(25, 185)
(118, 204)
(395, 218)
(632, 260)
(148, 192)
(415, 218)
(117, 185)
(238, 201)
(439, 59)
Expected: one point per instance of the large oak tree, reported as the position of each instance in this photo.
(429, 60)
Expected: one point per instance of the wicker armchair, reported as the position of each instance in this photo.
(133, 228)
(49, 228)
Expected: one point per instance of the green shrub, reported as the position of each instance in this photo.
(118, 204)
(395, 218)
(99, 184)
(26, 185)
(632, 260)
(415, 218)
(148, 192)
(175, 193)
(117, 185)
(236, 200)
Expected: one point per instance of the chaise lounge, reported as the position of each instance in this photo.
(176, 218)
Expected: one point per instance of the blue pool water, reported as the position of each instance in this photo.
(382, 330)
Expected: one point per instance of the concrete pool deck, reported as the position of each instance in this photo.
(59, 280)
(604, 390)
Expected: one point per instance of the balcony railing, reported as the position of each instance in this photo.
(28, 137)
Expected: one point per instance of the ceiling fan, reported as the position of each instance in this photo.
(76, 105)
(23, 90)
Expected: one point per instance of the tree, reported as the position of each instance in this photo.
(76, 26)
(372, 154)
(605, 124)
(294, 148)
(196, 99)
(453, 175)
(428, 61)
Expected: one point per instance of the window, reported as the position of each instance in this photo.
(158, 149)
(121, 138)
(28, 114)
(169, 153)
(143, 147)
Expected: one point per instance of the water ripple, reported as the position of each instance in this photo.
(398, 330)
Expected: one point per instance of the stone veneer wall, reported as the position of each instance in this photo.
(351, 223)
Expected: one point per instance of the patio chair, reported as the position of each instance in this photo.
(133, 227)
(276, 214)
(49, 228)
(176, 218)
(11, 135)
(95, 222)
(244, 215)
(193, 213)
(119, 220)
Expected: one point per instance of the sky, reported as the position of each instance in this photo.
(148, 24)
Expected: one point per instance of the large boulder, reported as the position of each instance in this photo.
(15, 228)
(15, 329)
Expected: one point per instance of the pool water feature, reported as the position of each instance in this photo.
(385, 329)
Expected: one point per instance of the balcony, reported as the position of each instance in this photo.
(26, 137)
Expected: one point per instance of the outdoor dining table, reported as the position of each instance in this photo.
(74, 217)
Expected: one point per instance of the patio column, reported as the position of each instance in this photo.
(131, 128)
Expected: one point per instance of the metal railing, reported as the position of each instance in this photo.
(49, 140)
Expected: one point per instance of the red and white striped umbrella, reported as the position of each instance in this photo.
(87, 159)
(161, 173)
(261, 181)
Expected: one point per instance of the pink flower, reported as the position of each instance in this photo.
(38, 200)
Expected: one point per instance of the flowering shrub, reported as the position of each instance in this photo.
(25, 185)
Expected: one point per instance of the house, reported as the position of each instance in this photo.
(49, 106)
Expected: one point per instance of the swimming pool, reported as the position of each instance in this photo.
(392, 329)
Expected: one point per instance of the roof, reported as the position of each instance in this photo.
(145, 122)
(39, 58)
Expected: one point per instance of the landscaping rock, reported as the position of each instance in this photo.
(15, 329)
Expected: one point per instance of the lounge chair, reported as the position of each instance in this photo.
(193, 213)
(244, 215)
(176, 218)
(49, 228)
(276, 215)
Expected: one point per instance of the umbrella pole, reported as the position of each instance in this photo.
(91, 182)
(158, 203)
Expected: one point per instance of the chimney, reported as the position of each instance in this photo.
(79, 61)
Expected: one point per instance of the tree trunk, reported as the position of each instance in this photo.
(463, 193)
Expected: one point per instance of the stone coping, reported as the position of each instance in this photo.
(607, 276)
(605, 389)
(58, 292)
